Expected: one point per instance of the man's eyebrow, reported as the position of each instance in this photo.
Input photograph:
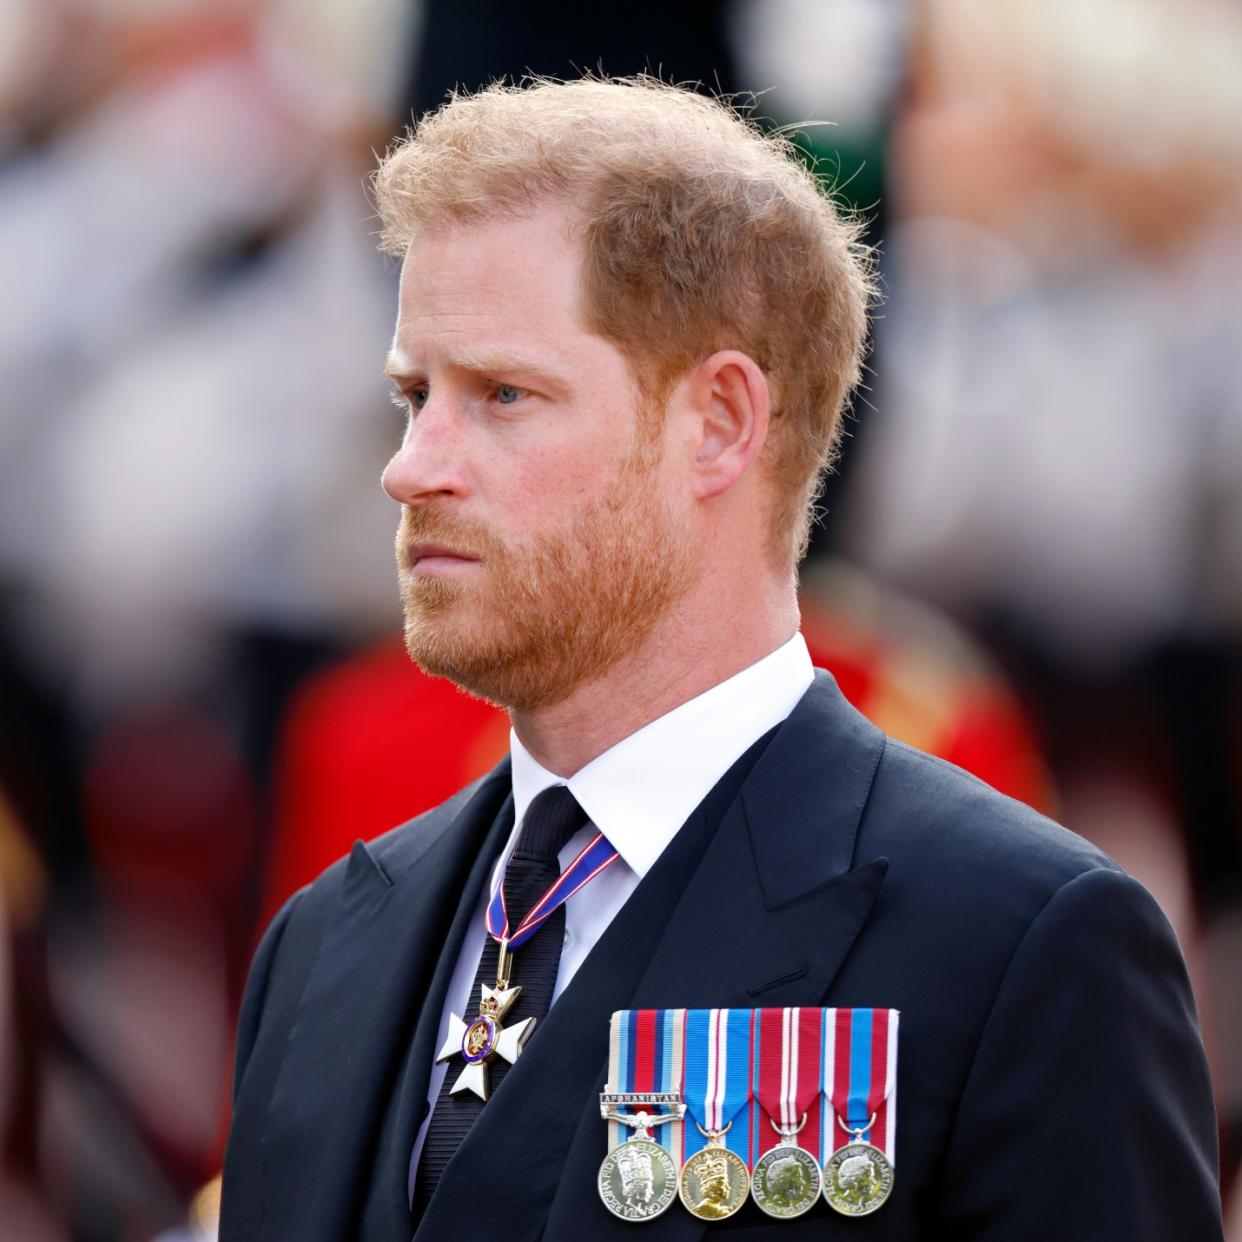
(481, 362)
(396, 369)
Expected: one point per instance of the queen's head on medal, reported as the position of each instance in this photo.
(637, 1176)
(713, 1187)
(786, 1181)
(856, 1177)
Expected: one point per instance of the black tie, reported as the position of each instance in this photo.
(551, 819)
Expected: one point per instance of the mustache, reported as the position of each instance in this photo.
(425, 525)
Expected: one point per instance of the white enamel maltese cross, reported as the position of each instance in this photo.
(484, 1038)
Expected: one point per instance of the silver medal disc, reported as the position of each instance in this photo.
(638, 1180)
(786, 1182)
(857, 1179)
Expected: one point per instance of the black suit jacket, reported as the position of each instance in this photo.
(1051, 1078)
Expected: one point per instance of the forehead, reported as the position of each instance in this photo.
(500, 283)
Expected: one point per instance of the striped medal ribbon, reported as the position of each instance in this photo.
(639, 1176)
(786, 1180)
(860, 1130)
(805, 1097)
(645, 1055)
(718, 1053)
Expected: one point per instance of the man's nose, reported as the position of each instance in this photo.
(430, 461)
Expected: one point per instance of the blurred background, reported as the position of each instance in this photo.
(1031, 560)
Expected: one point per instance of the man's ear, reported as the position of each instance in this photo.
(729, 395)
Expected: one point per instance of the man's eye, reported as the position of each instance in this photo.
(506, 394)
(409, 401)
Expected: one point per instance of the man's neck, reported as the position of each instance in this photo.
(678, 662)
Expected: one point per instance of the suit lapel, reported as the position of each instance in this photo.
(391, 1178)
(373, 979)
(754, 903)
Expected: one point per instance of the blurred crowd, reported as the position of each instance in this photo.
(1031, 561)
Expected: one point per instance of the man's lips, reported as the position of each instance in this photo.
(426, 557)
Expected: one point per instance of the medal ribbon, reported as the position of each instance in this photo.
(645, 1054)
(596, 856)
(860, 1075)
(747, 1065)
(718, 1052)
(787, 1080)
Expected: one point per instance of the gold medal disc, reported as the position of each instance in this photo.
(786, 1182)
(714, 1183)
(638, 1180)
(857, 1179)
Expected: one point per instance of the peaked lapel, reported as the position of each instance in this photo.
(373, 979)
(753, 903)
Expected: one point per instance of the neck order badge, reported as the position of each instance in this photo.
(484, 1038)
(790, 1104)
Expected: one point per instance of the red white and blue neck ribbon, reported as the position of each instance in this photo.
(596, 856)
(860, 1076)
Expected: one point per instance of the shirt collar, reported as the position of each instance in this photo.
(641, 791)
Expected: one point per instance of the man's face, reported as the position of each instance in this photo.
(541, 537)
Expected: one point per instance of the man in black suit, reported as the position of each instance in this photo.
(627, 326)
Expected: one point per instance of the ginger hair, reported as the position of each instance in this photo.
(700, 232)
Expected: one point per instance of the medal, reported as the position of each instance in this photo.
(638, 1179)
(786, 1181)
(484, 1038)
(824, 1081)
(861, 1055)
(857, 1178)
(715, 1180)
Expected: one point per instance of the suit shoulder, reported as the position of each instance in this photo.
(973, 876)
(968, 838)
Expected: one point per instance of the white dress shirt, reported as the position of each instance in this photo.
(638, 794)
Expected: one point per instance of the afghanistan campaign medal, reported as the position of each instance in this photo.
(786, 1181)
(715, 1179)
(485, 1037)
(638, 1177)
(860, 1063)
